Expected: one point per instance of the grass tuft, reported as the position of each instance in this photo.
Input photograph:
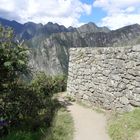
(124, 126)
(62, 128)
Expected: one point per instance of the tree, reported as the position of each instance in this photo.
(22, 103)
(13, 59)
(13, 64)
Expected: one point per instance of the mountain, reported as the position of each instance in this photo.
(52, 54)
(13, 24)
(49, 44)
(91, 28)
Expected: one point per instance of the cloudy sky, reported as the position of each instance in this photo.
(111, 13)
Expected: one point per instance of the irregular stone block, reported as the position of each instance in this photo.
(136, 48)
(134, 103)
(124, 100)
(121, 86)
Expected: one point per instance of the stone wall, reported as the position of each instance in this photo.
(105, 77)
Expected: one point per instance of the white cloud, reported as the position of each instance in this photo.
(119, 12)
(66, 12)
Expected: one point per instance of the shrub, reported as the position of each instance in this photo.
(48, 85)
(24, 106)
(60, 83)
(13, 64)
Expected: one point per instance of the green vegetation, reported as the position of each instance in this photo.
(124, 126)
(22, 135)
(27, 109)
(49, 85)
(62, 128)
(70, 98)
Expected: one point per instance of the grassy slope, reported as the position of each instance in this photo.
(124, 127)
(63, 127)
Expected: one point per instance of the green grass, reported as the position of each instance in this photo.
(62, 128)
(83, 104)
(124, 126)
(70, 98)
(23, 135)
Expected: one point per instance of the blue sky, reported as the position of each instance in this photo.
(111, 13)
(96, 14)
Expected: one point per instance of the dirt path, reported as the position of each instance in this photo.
(89, 125)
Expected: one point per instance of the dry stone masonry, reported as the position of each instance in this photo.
(106, 77)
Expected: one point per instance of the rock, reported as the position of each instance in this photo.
(115, 77)
(137, 90)
(85, 97)
(134, 103)
(121, 86)
(130, 87)
(106, 72)
(130, 64)
(118, 94)
(136, 48)
(133, 73)
(112, 83)
(135, 83)
(124, 100)
(126, 81)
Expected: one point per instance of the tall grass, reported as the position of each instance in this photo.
(124, 127)
(62, 128)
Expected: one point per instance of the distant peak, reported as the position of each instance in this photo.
(91, 27)
(133, 26)
(91, 23)
(49, 23)
(29, 23)
(136, 24)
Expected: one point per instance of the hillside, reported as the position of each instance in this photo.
(50, 43)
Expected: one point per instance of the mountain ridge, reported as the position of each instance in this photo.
(48, 28)
(50, 43)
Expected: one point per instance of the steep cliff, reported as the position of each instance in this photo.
(52, 52)
(49, 44)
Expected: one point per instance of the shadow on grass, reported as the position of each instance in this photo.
(62, 127)
(35, 129)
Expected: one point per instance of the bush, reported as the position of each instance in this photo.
(21, 107)
(60, 83)
(24, 106)
(48, 85)
(13, 64)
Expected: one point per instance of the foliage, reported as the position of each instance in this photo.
(61, 129)
(48, 85)
(25, 107)
(124, 127)
(23, 135)
(19, 104)
(13, 59)
(13, 64)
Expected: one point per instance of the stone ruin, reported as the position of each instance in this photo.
(106, 77)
